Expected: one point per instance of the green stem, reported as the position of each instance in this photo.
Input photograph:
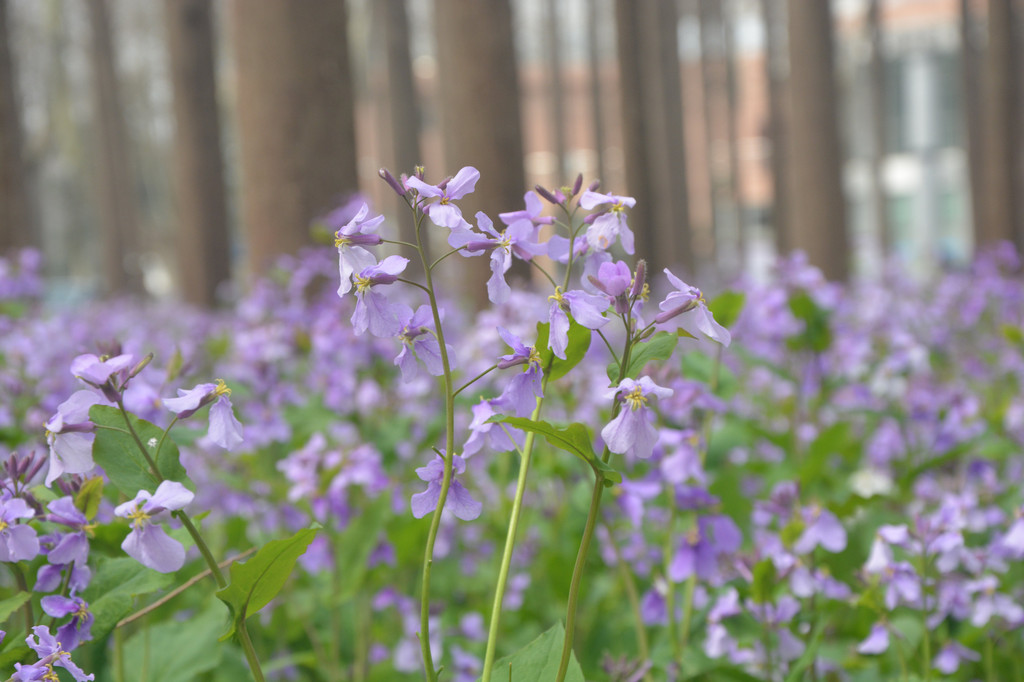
(475, 379)
(990, 672)
(577, 577)
(643, 650)
(26, 609)
(670, 596)
(449, 453)
(926, 640)
(138, 441)
(218, 575)
(684, 637)
(250, 651)
(510, 541)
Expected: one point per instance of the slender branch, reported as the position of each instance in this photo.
(203, 548)
(440, 258)
(634, 600)
(615, 356)
(181, 588)
(472, 381)
(543, 272)
(399, 242)
(412, 283)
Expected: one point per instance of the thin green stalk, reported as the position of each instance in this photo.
(510, 541)
(577, 577)
(472, 381)
(990, 670)
(449, 453)
(26, 608)
(118, 655)
(204, 550)
(684, 637)
(926, 640)
(250, 651)
(670, 596)
(643, 649)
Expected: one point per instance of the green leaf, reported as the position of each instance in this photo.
(12, 604)
(579, 343)
(117, 452)
(175, 651)
(764, 581)
(796, 673)
(817, 334)
(356, 543)
(258, 580)
(89, 495)
(836, 439)
(727, 306)
(113, 589)
(574, 439)
(539, 660)
(659, 347)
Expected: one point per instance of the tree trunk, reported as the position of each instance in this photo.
(709, 100)
(879, 148)
(15, 207)
(479, 91)
(816, 159)
(652, 119)
(119, 213)
(296, 121)
(1002, 158)
(971, 96)
(400, 152)
(204, 252)
(774, 65)
(732, 95)
(555, 89)
(594, 69)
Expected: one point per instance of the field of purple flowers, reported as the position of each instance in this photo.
(829, 490)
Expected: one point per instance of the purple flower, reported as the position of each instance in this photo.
(78, 629)
(350, 239)
(877, 642)
(225, 429)
(588, 311)
(419, 342)
(373, 310)
(522, 392)
(96, 370)
(824, 529)
(68, 547)
(18, 542)
(147, 543)
(947, 661)
(458, 501)
(69, 434)
(688, 299)
(50, 653)
(443, 212)
(610, 225)
(520, 238)
(631, 432)
(491, 433)
(698, 551)
(531, 214)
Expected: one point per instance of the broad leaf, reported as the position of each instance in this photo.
(176, 651)
(118, 453)
(258, 580)
(658, 347)
(539, 660)
(115, 584)
(574, 439)
(727, 306)
(89, 495)
(579, 343)
(12, 604)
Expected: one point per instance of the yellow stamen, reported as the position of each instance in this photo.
(362, 283)
(636, 398)
(222, 388)
(557, 296)
(138, 518)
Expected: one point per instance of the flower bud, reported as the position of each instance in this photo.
(639, 279)
(386, 175)
(546, 194)
(594, 186)
(140, 366)
(577, 185)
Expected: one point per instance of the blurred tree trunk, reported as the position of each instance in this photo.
(971, 97)
(594, 68)
(403, 109)
(709, 100)
(119, 213)
(815, 155)
(204, 250)
(479, 92)
(1002, 144)
(15, 207)
(879, 148)
(775, 80)
(552, 34)
(296, 120)
(652, 118)
(727, 17)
